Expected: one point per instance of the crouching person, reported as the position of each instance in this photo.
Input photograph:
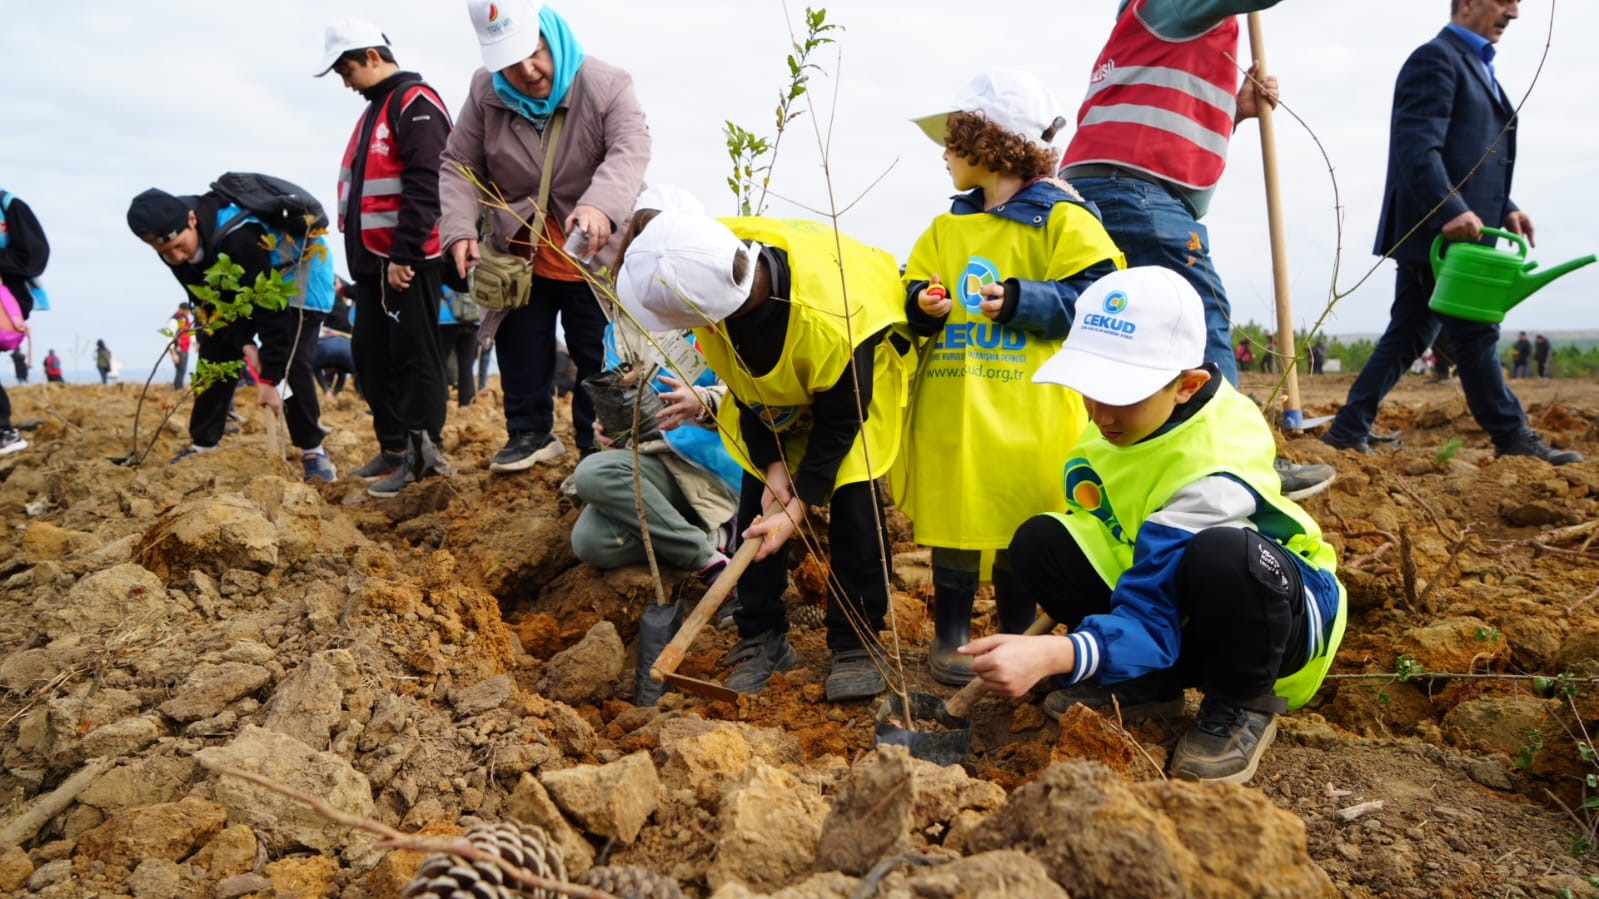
(1178, 562)
(802, 338)
(689, 482)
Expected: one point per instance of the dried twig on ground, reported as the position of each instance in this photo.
(1573, 607)
(1407, 565)
(1443, 570)
(22, 828)
(394, 839)
(1548, 540)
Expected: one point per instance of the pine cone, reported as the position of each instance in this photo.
(808, 616)
(631, 882)
(524, 846)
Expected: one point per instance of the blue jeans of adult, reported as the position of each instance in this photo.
(1411, 329)
(525, 344)
(1152, 226)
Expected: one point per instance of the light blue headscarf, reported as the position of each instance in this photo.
(567, 54)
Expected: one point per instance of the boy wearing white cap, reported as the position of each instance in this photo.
(1178, 561)
(803, 351)
(991, 287)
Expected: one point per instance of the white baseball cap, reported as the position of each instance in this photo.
(1011, 99)
(1135, 330)
(669, 198)
(507, 30)
(348, 33)
(678, 272)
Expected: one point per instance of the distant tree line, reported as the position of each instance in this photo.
(1579, 359)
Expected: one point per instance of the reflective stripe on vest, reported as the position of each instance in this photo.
(1160, 106)
(382, 187)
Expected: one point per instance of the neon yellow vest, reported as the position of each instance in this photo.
(1111, 491)
(984, 445)
(820, 342)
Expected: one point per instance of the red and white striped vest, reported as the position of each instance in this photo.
(1160, 106)
(381, 187)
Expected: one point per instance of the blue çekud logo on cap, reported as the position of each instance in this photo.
(1115, 302)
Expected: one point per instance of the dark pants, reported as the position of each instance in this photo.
(5, 409)
(180, 367)
(1412, 327)
(855, 539)
(288, 348)
(334, 362)
(1244, 626)
(484, 356)
(525, 343)
(397, 359)
(460, 341)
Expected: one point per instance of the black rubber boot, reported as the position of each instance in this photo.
(952, 627)
(655, 630)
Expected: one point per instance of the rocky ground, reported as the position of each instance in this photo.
(440, 659)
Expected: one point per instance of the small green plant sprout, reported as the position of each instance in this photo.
(1530, 749)
(753, 155)
(1447, 452)
(1407, 668)
(1488, 634)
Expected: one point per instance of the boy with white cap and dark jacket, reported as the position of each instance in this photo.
(1178, 561)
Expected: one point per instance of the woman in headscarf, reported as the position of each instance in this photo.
(535, 73)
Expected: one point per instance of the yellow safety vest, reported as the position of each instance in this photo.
(1111, 491)
(984, 445)
(832, 310)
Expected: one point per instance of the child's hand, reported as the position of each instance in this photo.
(934, 299)
(1010, 664)
(680, 404)
(993, 302)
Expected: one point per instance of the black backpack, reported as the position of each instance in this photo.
(281, 205)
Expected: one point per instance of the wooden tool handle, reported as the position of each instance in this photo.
(958, 705)
(670, 657)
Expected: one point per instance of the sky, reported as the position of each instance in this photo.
(118, 97)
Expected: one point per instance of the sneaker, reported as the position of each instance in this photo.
(381, 465)
(318, 467)
(1530, 444)
(526, 449)
(1225, 743)
(392, 483)
(854, 676)
(11, 441)
(755, 659)
(1358, 444)
(1300, 481)
(1155, 695)
(190, 450)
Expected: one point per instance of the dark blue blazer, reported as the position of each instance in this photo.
(1447, 115)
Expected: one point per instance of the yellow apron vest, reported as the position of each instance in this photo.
(832, 310)
(984, 445)
(1111, 491)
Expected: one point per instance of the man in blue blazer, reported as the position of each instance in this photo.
(1452, 125)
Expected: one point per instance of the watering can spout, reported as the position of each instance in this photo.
(1531, 281)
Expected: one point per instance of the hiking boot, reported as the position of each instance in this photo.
(190, 450)
(1155, 695)
(1359, 444)
(1300, 481)
(379, 466)
(1225, 743)
(755, 659)
(526, 449)
(1530, 444)
(318, 467)
(854, 676)
(392, 483)
(952, 627)
(11, 441)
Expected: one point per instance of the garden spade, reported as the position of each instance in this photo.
(665, 668)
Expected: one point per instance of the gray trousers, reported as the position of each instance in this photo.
(607, 532)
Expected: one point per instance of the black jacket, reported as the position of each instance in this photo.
(420, 137)
(26, 253)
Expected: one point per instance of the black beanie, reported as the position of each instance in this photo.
(158, 213)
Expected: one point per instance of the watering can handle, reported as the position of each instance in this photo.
(1438, 245)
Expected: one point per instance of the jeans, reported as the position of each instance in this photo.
(1412, 327)
(525, 343)
(180, 367)
(1151, 226)
(1518, 368)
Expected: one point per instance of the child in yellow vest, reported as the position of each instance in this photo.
(1178, 561)
(991, 286)
(802, 358)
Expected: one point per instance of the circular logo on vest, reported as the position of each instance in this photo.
(776, 417)
(1115, 302)
(1085, 492)
(979, 273)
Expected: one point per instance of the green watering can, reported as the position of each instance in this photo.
(1481, 284)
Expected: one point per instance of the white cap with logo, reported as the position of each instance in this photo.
(507, 30)
(1134, 332)
(1011, 99)
(679, 272)
(346, 34)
